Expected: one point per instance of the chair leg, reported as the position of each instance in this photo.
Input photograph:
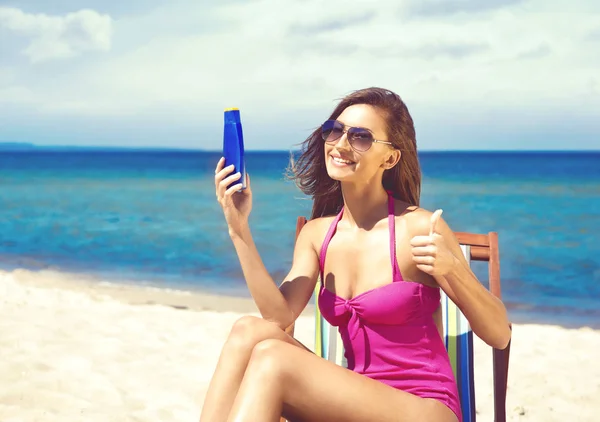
(500, 362)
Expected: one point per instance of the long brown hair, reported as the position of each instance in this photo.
(403, 180)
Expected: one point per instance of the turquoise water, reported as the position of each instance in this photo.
(151, 217)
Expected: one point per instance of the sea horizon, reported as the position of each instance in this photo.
(27, 146)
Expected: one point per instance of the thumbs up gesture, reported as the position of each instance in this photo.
(430, 253)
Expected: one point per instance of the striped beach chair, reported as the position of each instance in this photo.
(458, 336)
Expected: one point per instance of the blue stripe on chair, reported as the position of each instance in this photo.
(466, 384)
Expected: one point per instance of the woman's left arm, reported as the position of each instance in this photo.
(439, 255)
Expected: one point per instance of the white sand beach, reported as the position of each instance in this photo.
(71, 350)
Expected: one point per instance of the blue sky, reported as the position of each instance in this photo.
(476, 74)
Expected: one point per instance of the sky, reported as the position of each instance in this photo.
(475, 74)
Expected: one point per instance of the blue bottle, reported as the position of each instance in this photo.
(233, 144)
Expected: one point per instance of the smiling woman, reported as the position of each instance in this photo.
(382, 261)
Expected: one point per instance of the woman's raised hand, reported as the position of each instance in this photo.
(236, 203)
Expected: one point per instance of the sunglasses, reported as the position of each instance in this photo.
(359, 138)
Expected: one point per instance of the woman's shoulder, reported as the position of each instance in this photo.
(315, 229)
(417, 219)
(317, 225)
(418, 222)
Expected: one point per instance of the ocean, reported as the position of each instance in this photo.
(151, 217)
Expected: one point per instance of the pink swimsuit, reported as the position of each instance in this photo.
(389, 333)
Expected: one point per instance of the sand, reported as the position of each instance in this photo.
(75, 350)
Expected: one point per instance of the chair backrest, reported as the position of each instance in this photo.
(458, 336)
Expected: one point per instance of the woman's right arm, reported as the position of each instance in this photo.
(279, 305)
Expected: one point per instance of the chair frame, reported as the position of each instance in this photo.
(483, 247)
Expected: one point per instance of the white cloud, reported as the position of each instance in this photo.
(56, 37)
(495, 64)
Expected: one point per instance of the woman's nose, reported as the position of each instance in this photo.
(343, 142)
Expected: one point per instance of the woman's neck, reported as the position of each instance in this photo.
(364, 205)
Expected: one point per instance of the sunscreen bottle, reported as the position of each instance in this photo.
(233, 144)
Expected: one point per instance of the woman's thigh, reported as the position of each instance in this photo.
(315, 390)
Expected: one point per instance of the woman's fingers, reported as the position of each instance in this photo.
(424, 250)
(220, 165)
(421, 241)
(222, 174)
(222, 187)
(221, 171)
(233, 189)
(424, 260)
(218, 170)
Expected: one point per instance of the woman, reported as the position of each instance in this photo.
(383, 261)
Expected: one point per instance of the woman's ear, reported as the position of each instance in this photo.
(392, 159)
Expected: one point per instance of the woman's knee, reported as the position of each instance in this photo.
(268, 358)
(249, 330)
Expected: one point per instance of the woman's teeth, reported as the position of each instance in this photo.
(341, 161)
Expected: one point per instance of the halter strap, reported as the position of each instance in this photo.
(328, 237)
(396, 274)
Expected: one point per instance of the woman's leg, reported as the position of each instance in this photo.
(246, 333)
(286, 380)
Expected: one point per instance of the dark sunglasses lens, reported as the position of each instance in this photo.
(360, 139)
(331, 131)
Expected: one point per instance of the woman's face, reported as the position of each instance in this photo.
(345, 163)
